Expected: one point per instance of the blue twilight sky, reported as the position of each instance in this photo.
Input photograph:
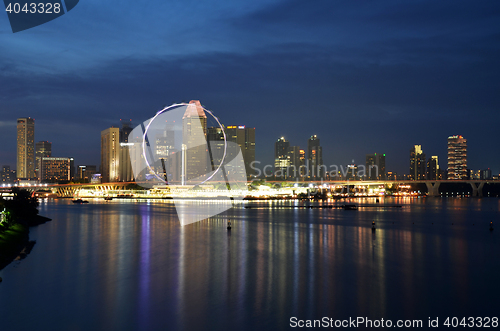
(365, 76)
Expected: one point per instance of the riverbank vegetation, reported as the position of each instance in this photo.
(16, 216)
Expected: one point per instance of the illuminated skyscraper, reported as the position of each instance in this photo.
(25, 148)
(457, 157)
(281, 161)
(110, 154)
(417, 163)
(433, 168)
(42, 149)
(245, 138)
(55, 169)
(194, 141)
(315, 158)
(375, 166)
(296, 158)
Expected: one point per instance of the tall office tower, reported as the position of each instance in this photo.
(315, 158)
(194, 142)
(72, 168)
(126, 129)
(215, 140)
(375, 166)
(110, 155)
(281, 162)
(457, 157)
(55, 169)
(433, 168)
(303, 170)
(25, 148)
(125, 173)
(417, 163)
(42, 149)
(296, 161)
(85, 172)
(245, 138)
(165, 152)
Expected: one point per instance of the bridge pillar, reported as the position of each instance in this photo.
(477, 189)
(433, 188)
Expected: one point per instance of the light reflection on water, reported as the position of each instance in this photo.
(129, 265)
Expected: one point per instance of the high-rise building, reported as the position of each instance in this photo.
(110, 154)
(55, 169)
(25, 148)
(281, 161)
(245, 138)
(125, 130)
(417, 163)
(125, 173)
(375, 166)
(194, 142)
(315, 158)
(116, 165)
(457, 157)
(433, 168)
(296, 160)
(42, 149)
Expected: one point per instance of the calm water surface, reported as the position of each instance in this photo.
(125, 265)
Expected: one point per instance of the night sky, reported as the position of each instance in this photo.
(364, 76)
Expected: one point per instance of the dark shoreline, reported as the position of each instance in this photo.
(14, 241)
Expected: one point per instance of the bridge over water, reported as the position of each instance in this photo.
(70, 190)
(432, 185)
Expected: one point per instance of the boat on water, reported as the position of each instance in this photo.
(108, 198)
(80, 201)
(350, 207)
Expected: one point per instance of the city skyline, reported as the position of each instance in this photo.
(423, 164)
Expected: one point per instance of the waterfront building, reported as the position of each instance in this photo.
(375, 166)
(433, 168)
(85, 172)
(486, 174)
(42, 149)
(315, 158)
(296, 159)
(126, 129)
(110, 155)
(116, 165)
(194, 142)
(26, 148)
(55, 169)
(417, 163)
(215, 141)
(8, 176)
(125, 173)
(352, 172)
(457, 157)
(281, 161)
(245, 138)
